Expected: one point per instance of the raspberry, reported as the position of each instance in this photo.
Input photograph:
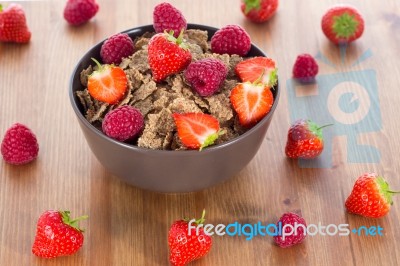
(167, 18)
(294, 238)
(206, 75)
(231, 39)
(123, 123)
(305, 68)
(19, 145)
(116, 47)
(77, 12)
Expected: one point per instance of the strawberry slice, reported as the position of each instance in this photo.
(197, 130)
(260, 69)
(251, 102)
(107, 84)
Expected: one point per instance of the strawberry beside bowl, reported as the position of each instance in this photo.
(166, 170)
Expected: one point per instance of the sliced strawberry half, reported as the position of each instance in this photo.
(107, 84)
(197, 130)
(260, 69)
(251, 102)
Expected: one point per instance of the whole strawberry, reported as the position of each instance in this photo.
(304, 140)
(13, 27)
(19, 145)
(231, 39)
(259, 10)
(185, 247)
(166, 18)
(57, 235)
(206, 75)
(77, 12)
(370, 197)
(342, 24)
(289, 236)
(115, 48)
(167, 55)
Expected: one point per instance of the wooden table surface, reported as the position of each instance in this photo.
(128, 226)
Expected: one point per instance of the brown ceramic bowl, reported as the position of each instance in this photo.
(169, 171)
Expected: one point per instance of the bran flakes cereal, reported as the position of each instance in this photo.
(158, 101)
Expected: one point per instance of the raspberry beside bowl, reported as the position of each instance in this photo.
(169, 171)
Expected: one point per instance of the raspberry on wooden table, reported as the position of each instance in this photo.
(19, 145)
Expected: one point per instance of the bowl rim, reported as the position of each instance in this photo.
(209, 149)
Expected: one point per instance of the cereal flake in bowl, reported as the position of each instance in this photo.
(157, 159)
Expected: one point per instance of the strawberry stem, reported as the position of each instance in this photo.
(202, 219)
(97, 63)
(273, 78)
(1, 8)
(198, 221)
(345, 25)
(384, 189)
(65, 215)
(328, 125)
(83, 217)
(211, 139)
(393, 192)
(251, 4)
(179, 41)
(170, 36)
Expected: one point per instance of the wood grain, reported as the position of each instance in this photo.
(128, 226)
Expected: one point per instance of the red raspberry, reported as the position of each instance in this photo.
(19, 145)
(206, 75)
(116, 47)
(305, 68)
(166, 17)
(123, 123)
(294, 238)
(231, 39)
(77, 12)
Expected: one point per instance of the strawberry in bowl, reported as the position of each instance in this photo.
(194, 132)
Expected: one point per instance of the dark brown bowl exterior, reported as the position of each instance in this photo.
(169, 171)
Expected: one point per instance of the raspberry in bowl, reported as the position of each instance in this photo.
(163, 156)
